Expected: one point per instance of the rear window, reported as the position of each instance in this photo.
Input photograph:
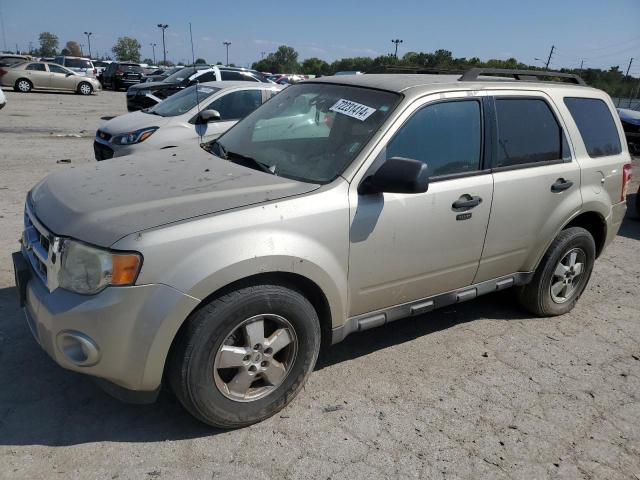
(131, 67)
(596, 126)
(77, 63)
(527, 132)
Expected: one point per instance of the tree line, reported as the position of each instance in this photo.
(285, 60)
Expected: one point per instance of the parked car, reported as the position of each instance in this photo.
(101, 66)
(223, 271)
(159, 74)
(9, 60)
(199, 115)
(28, 76)
(631, 124)
(119, 75)
(147, 95)
(3, 99)
(349, 72)
(78, 65)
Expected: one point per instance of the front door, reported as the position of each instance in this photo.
(405, 247)
(61, 78)
(536, 183)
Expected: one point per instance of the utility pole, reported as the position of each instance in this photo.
(82, 49)
(262, 55)
(581, 64)
(226, 44)
(553, 47)
(153, 47)
(629, 68)
(30, 48)
(88, 34)
(626, 75)
(163, 26)
(396, 42)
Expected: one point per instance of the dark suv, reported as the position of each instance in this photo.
(147, 94)
(121, 75)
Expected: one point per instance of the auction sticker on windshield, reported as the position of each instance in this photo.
(352, 109)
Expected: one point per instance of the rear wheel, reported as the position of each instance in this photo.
(562, 274)
(23, 85)
(85, 88)
(245, 355)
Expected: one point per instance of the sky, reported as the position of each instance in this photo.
(602, 32)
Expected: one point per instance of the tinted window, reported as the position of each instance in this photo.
(206, 77)
(130, 67)
(36, 66)
(77, 63)
(527, 132)
(446, 136)
(596, 126)
(229, 75)
(58, 69)
(183, 101)
(181, 75)
(237, 105)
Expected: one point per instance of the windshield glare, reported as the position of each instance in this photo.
(310, 132)
(183, 101)
(180, 75)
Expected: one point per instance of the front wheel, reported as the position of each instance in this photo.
(562, 275)
(245, 355)
(85, 88)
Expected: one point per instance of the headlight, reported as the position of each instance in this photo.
(85, 269)
(134, 137)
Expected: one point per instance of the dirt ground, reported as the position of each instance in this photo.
(478, 390)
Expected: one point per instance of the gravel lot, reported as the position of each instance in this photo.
(479, 390)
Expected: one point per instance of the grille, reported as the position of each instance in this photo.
(36, 245)
(102, 152)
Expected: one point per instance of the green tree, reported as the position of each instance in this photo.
(315, 66)
(148, 61)
(283, 60)
(48, 44)
(201, 61)
(127, 48)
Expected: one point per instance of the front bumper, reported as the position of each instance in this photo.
(131, 329)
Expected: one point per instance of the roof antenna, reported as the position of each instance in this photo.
(193, 62)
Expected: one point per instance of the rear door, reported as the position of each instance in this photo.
(37, 73)
(536, 182)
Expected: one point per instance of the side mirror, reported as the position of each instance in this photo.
(69, 75)
(207, 116)
(397, 175)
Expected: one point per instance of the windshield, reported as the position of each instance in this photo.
(182, 101)
(180, 75)
(309, 132)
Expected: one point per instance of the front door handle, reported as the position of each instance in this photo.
(466, 201)
(561, 185)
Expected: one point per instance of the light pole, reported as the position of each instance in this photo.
(82, 49)
(153, 47)
(262, 55)
(226, 44)
(163, 26)
(397, 41)
(88, 34)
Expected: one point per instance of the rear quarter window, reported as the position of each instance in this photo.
(596, 126)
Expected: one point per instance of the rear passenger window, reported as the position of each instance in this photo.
(528, 132)
(446, 136)
(36, 66)
(596, 126)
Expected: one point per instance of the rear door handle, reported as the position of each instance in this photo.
(466, 201)
(561, 185)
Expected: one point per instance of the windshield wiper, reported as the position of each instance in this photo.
(249, 162)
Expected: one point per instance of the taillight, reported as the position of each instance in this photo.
(119, 72)
(626, 176)
(2, 72)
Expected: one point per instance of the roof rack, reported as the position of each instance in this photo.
(522, 75)
(413, 69)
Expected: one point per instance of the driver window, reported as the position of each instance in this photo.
(236, 105)
(446, 136)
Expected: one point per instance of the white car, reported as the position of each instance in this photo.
(199, 113)
(3, 99)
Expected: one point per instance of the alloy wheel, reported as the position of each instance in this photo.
(567, 275)
(255, 358)
(24, 86)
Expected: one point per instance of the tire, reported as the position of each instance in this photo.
(85, 88)
(545, 296)
(213, 394)
(23, 85)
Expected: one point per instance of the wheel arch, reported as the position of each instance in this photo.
(594, 223)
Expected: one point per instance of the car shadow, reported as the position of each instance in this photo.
(630, 227)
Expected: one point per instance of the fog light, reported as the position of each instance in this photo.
(78, 348)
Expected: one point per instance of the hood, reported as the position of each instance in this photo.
(630, 116)
(106, 201)
(130, 122)
(152, 86)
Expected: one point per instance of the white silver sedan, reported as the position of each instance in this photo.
(200, 113)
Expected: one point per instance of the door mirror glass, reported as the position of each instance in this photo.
(398, 175)
(207, 116)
